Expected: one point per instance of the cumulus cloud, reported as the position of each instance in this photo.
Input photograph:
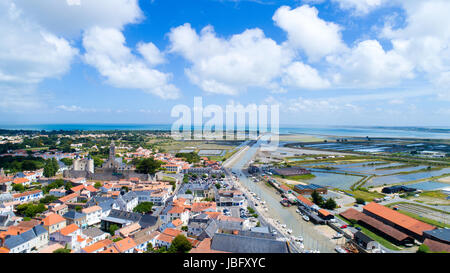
(303, 76)
(106, 51)
(360, 7)
(28, 55)
(425, 40)
(306, 31)
(369, 65)
(227, 66)
(70, 17)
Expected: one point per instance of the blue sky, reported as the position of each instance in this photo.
(325, 62)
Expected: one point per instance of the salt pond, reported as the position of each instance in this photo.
(429, 185)
(401, 178)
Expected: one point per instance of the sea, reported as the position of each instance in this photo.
(339, 131)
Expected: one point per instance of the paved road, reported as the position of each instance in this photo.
(313, 239)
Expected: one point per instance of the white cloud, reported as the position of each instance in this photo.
(75, 108)
(361, 7)
(369, 65)
(19, 98)
(72, 16)
(425, 40)
(228, 66)
(306, 31)
(28, 55)
(151, 53)
(305, 105)
(106, 51)
(303, 76)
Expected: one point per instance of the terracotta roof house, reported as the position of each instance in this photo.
(54, 222)
(402, 222)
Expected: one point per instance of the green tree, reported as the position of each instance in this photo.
(48, 199)
(191, 157)
(62, 250)
(144, 207)
(360, 201)
(30, 210)
(97, 161)
(29, 165)
(148, 166)
(186, 178)
(112, 229)
(67, 161)
(68, 186)
(423, 248)
(149, 248)
(330, 204)
(188, 192)
(317, 199)
(97, 185)
(180, 245)
(51, 167)
(18, 187)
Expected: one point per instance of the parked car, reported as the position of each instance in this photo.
(344, 226)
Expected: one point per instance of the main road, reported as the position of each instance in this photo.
(313, 238)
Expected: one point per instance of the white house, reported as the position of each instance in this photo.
(128, 201)
(93, 215)
(27, 242)
(71, 236)
(28, 196)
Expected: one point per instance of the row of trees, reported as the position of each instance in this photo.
(319, 200)
(51, 167)
(191, 157)
(20, 164)
(147, 166)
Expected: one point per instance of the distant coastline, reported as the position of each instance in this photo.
(422, 132)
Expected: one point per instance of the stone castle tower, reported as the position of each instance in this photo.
(83, 164)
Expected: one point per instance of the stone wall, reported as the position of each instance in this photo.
(105, 175)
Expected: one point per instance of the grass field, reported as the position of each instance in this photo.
(168, 179)
(297, 177)
(367, 196)
(425, 220)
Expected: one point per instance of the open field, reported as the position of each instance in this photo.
(367, 196)
(425, 214)
(197, 145)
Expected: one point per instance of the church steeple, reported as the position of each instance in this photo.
(112, 150)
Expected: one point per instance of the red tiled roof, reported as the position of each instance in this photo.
(398, 218)
(172, 232)
(98, 245)
(324, 212)
(165, 238)
(17, 195)
(305, 200)
(351, 213)
(125, 244)
(69, 229)
(53, 219)
(20, 180)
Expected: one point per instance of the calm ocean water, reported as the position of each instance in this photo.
(400, 132)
